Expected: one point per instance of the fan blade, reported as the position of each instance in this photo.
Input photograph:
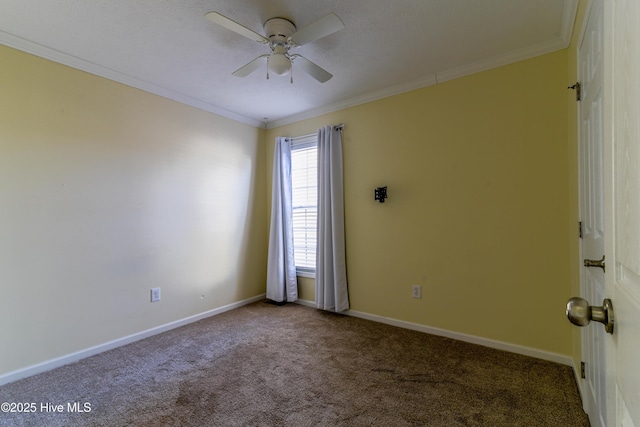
(250, 67)
(324, 26)
(315, 71)
(229, 24)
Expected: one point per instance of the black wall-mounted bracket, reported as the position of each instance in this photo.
(380, 194)
(578, 90)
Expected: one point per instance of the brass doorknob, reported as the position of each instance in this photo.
(580, 313)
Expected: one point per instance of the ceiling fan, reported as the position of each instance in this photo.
(281, 36)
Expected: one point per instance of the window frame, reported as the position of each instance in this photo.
(303, 143)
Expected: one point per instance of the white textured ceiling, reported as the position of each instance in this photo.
(167, 46)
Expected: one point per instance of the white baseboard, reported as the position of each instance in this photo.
(75, 357)
(82, 354)
(500, 345)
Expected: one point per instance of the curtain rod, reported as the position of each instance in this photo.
(337, 127)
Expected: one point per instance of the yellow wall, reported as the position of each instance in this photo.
(479, 210)
(106, 192)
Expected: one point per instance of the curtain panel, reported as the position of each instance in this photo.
(282, 283)
(331, 268)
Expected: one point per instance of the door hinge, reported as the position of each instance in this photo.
(580, 229)
(577, 87)
(583, 370)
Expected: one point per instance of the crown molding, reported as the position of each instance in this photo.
(501, 60)
(568, 20)
(36, 49)
(454, 73)
(352, 102)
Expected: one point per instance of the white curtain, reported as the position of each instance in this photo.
(331, 268)
(281, 269)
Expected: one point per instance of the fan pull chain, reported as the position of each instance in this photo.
(267, 67)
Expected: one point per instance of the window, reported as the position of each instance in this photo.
(304, 180)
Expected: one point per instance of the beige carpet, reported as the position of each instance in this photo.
(265, 365)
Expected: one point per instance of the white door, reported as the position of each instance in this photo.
(609, 59)
(591, 145)
(622, 206)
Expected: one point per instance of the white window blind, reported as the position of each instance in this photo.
(304, 177)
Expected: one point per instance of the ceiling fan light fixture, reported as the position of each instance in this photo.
(282, 35)
(279, 64)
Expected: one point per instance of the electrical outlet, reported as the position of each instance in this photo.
(416, 291)
(155, 294)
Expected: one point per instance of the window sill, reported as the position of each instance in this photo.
(308, 274)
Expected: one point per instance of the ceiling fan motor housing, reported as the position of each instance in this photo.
(278, 30)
